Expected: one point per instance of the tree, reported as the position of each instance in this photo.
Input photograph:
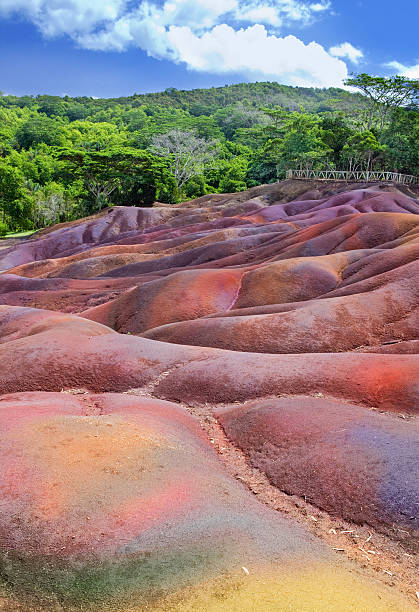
(131, 177)
(50, 204)
(237, 116)
(51, 105)
(186, 153)
(195, 187)
(9, 123)
(99, 136)
(243, 144)
(76, 111)
(301, 145)
(14, 200)
(263, 167)
(235, 177)
(11, 181)
(97, 170)
(362, 150)
(401, 137)
(39, 129)
(37, 165)
(53, 203)
(334, 133)
(383, 94)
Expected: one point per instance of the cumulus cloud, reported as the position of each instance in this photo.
(216, 36)
(56, 17)
(411, 72)
(253, 52)
(347, 50)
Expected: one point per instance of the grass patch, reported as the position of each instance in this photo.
(19, 234)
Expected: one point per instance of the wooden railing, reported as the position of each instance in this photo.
(347, 175)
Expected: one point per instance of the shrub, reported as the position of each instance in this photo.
(3, 229)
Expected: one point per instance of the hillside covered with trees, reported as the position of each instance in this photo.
(62, 158)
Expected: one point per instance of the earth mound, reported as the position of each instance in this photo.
(278, 326)
(354, 463)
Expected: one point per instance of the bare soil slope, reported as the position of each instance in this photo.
(278, 327)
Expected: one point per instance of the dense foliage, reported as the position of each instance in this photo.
(62, 158)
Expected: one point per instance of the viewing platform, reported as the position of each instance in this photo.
(347, 175)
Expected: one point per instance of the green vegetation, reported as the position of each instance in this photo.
(4, 232)
(63, 158)
(23, 234)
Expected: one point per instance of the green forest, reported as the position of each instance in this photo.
(62, 158)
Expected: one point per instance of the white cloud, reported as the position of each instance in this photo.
(201, 14)
(301, 11)
(260, 14)
(277, 12)
(256, 54)
(197, 33)
(55, 17)
(347, 50)
(318, 7)
(411, 72)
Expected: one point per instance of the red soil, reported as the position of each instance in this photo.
(291, 289)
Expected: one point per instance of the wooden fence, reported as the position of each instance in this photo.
(346, 175)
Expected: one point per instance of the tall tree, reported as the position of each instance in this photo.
(362, 150)
(15, 202)
(402, 137)
(130, 176)
(186, 153)
(50, 205)
(300, 145)
(384, 93)
(39, 129)
(335, 133)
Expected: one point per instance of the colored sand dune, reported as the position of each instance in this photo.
(349, 461)
(288, 315)
(120, 501)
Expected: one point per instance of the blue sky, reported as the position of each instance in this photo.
(110, 48)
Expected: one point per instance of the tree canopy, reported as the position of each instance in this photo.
(385, 93)
(186, 153)
(62, 158)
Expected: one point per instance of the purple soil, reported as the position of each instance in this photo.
(356, 464)
(291, 289)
